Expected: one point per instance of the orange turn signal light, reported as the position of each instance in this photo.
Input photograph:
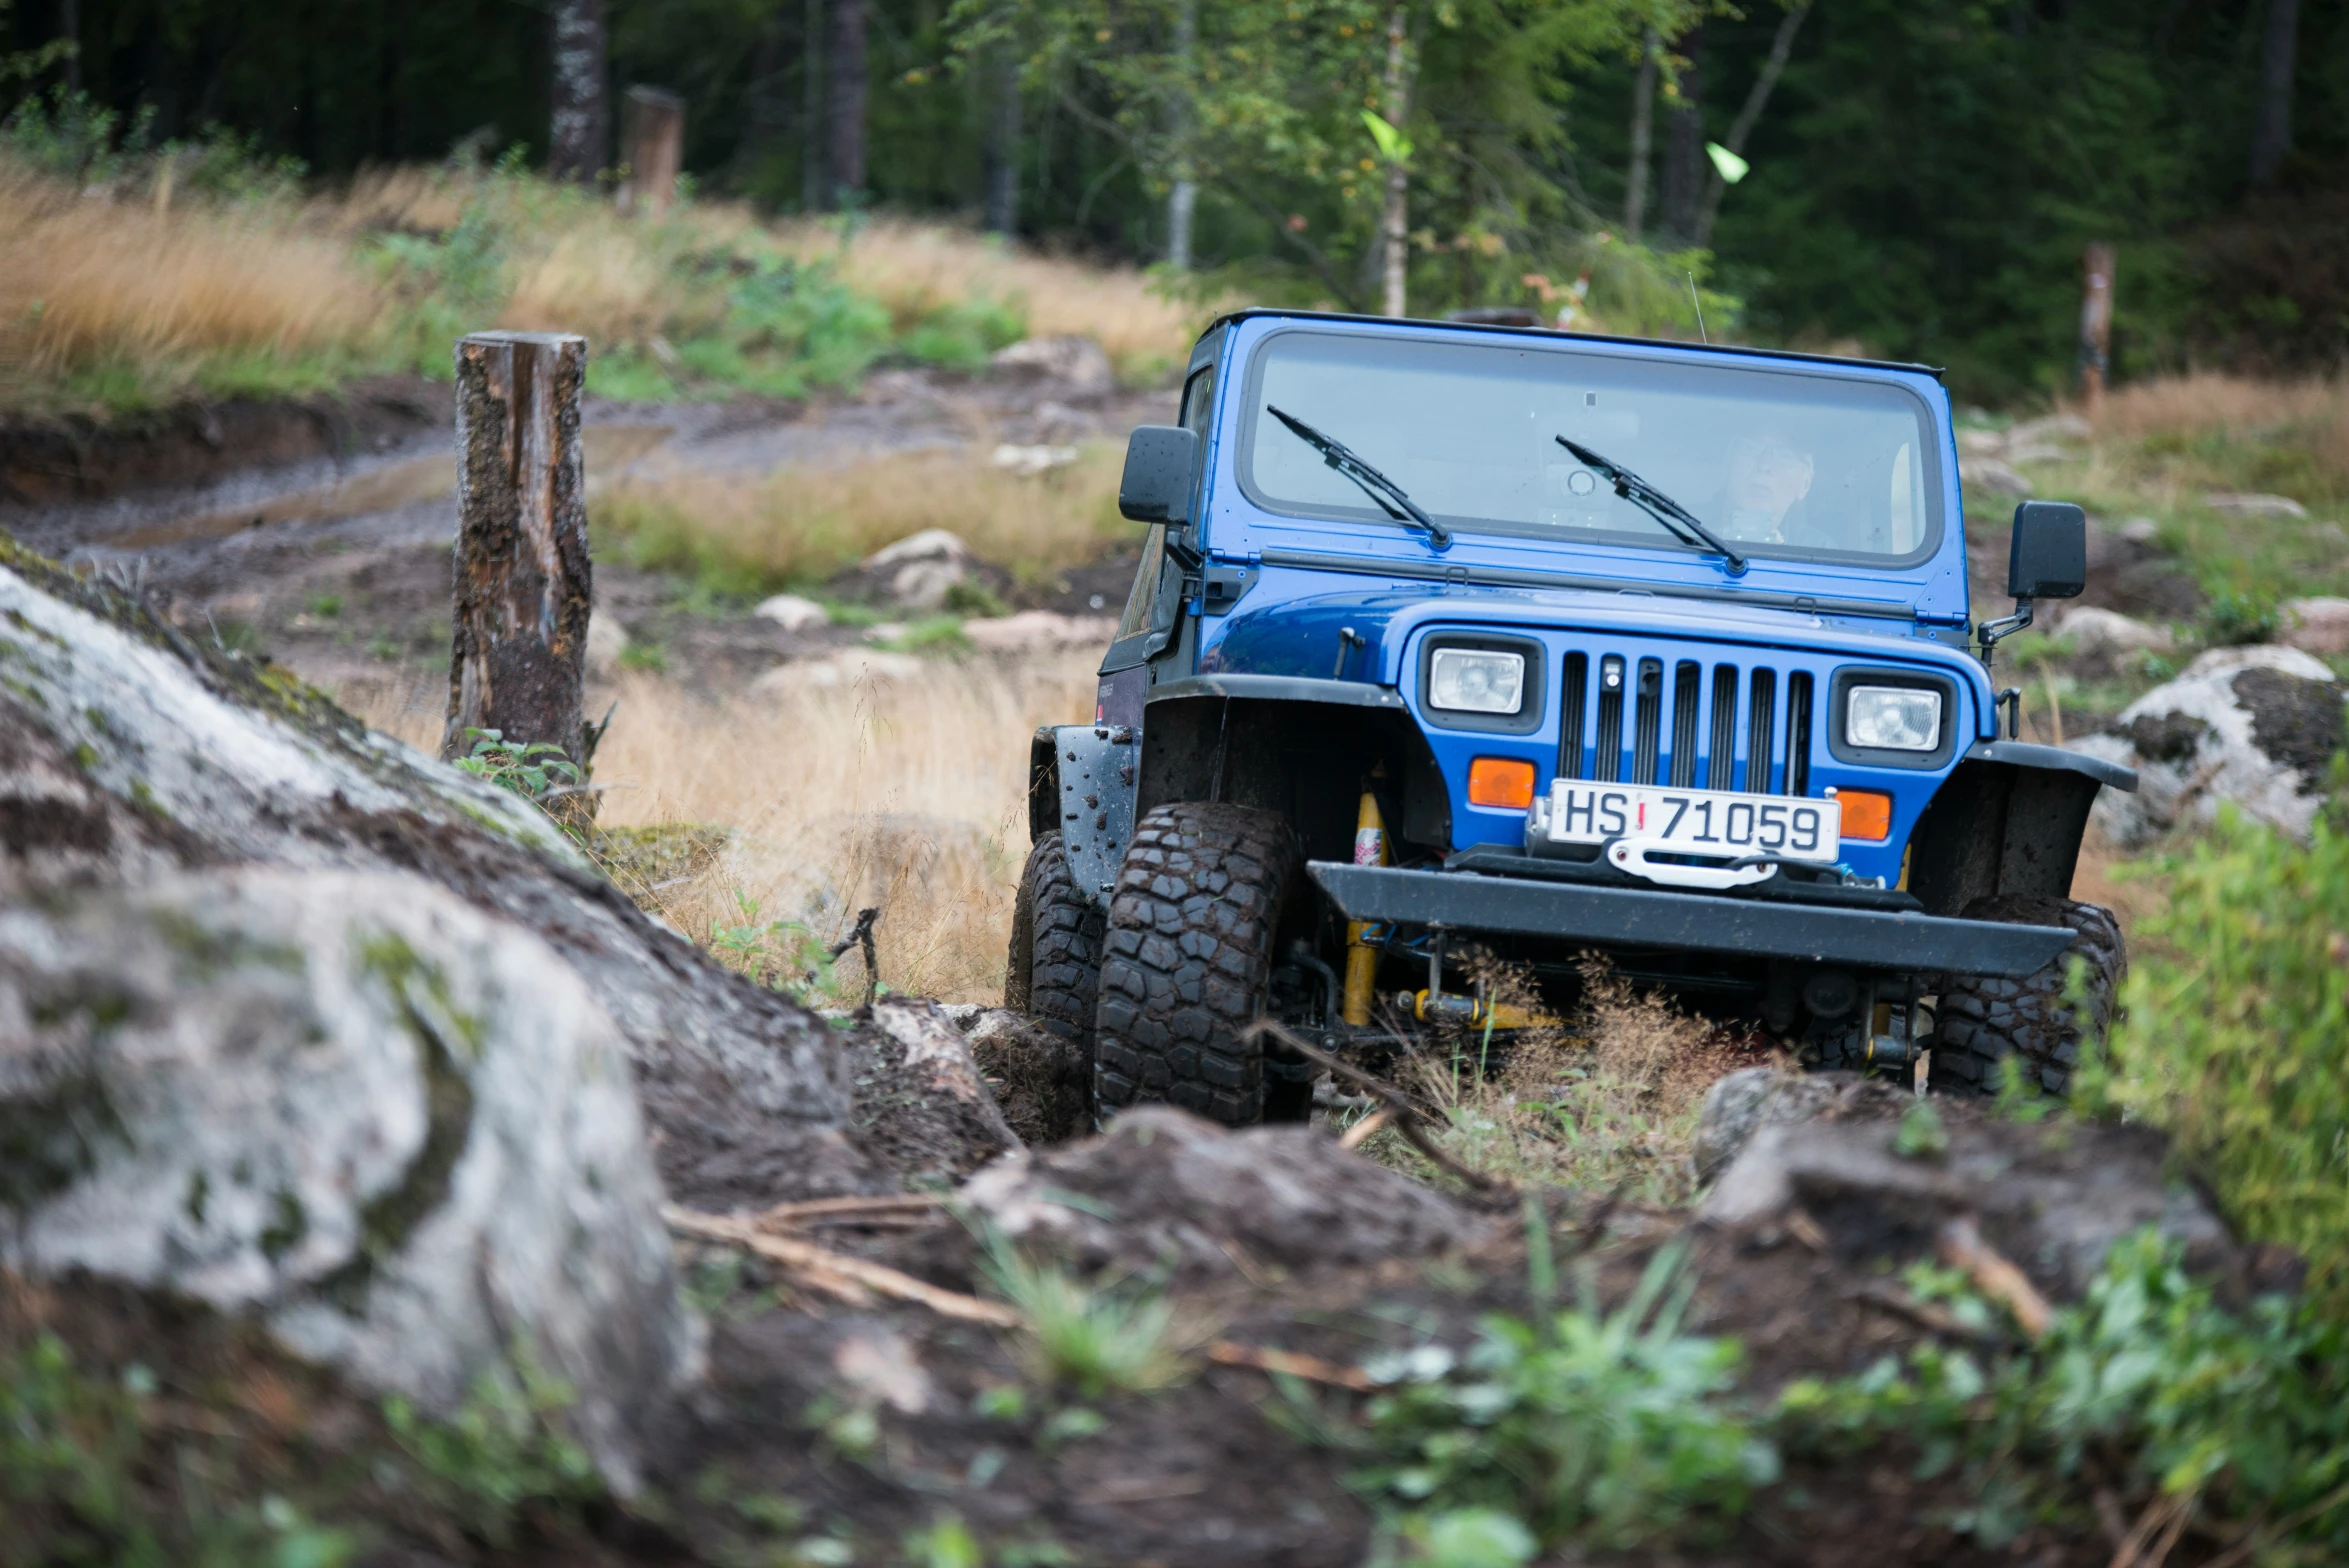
(1867, 814)
(1504, 783)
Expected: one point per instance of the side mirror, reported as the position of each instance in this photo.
(1160, 460)
(2049, 556)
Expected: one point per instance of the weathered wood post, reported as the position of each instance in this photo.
(523, 583)
(655, 142)
(2095, 325)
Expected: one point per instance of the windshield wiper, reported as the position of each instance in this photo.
(1376, 485)
(1657, 505)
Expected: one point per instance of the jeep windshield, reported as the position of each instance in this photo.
(1778, 462)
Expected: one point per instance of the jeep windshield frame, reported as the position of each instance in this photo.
(1469, 427)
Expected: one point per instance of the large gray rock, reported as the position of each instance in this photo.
(2253, 726)
(1741, 1103)
(1163, 1187)
(400, 1131)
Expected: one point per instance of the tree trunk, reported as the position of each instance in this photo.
(844, 108)
(811, 108)
(1684, 146)
(523, 583)
(766, 110)
(1182, 201)
(1643, 117)
(1394, 219)
(69, 28)
(2271, 133)
(655, 140)
(1750, 114)
(1003, 150)
(582, 123)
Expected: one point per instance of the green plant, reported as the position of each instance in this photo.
(1921, 1135)
(538, 771)
(783, 955)
(1088, 1338)
(501, 1456)
(1607, 1428)
(2235, 1031)
(2236, 616)
(2147, 1385)
(648, 656)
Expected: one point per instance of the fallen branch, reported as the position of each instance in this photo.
(824, 1268)
(1409, 1114)
(891, 1205)
(1360, 1133)
(1962, 1248)
(1293, 1363)
(1888, 1297)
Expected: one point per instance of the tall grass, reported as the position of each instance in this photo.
(800, 524)
(125, 293)
(911, 795)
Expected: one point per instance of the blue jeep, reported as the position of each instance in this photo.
(1454, 639)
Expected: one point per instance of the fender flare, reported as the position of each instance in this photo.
(2008, 819)
(1081, 781)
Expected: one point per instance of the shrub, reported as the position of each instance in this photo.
(2235, 1032)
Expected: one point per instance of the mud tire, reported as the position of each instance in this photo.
(1984, 1019)
(1054, 970)
(1189, 950)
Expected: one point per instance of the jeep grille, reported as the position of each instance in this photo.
(1708, 707)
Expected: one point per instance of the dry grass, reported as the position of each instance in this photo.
(802, 524)
(2211, 400)
(1607, 1100)
(909, 795)
(88, 282)
(914, 268)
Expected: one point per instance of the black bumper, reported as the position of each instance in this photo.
(1688, 922)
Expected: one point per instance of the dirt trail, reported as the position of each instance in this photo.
(339, 564)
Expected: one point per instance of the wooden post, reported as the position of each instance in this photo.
(2095, 326)
(523, 583)
(655, 138)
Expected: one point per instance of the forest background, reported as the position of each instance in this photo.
(1919, 176)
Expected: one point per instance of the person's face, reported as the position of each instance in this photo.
(1767, 475)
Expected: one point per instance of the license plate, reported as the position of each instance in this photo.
(1696, 821)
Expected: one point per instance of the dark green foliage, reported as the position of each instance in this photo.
(2235, 1035)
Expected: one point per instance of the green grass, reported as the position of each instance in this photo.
(1089, 1339)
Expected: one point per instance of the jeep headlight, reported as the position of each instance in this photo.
(1474, 680)
(1892, 718)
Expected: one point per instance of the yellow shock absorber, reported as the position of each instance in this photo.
(1370, 849)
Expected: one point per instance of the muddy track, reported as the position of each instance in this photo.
(321, 529)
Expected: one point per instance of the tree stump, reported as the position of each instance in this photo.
(654, 135)
(524, 586)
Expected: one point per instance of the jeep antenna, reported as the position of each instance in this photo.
(1700, 310)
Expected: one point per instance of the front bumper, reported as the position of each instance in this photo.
(1688, 922)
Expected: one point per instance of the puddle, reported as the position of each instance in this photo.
(383, 489)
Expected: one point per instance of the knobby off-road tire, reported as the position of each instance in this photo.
(1985, 1019)
(1054, 973)
(1189, 950)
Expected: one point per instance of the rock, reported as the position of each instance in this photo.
(1029, 461)
(2142, 532)
(848, 667)
(919, 570)
(2317, 625)
(1077, 362)
(2255, 726)
(2051, 428)
(400, 1131)
(1032, 631)
(132, 751)
(794, 614)
(1994, 477)
(1741, 1102)
(607, 640)
(1163, 1187)
(2092, 630)
(2035, 452)
(1981, 443)
(2052, 1198)
(2240, 505)
(920, 1099)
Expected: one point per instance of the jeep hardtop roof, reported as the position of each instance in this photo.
(1253, 312)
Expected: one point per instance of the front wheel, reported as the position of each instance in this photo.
(2034, 1018)
(1188, 959)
